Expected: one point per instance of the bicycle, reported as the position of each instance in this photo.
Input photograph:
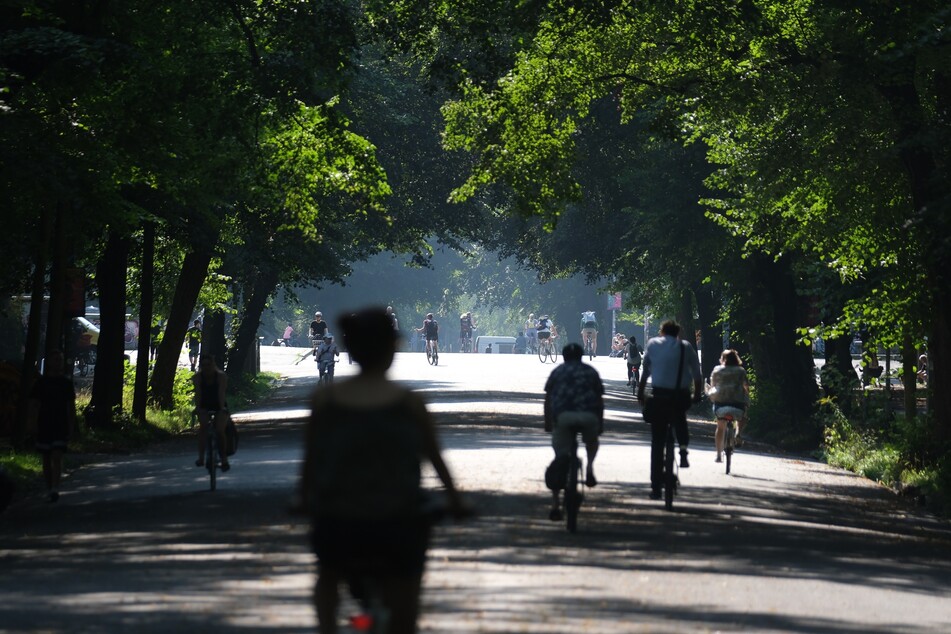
(466, 345)
(432, 352)
(635, 379)
(211, 448)
(730, 415)
(326, 369)
(546, 350)
(588, 350)
(574, 495)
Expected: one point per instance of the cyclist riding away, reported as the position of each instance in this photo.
(430, 330)
(210, 387)
(589, 331)
(573, 402)
(670, 363)
(466, 326)
(327, 355)
(729, 390)
(543, 329)
(633, 355)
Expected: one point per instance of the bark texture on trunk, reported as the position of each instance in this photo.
(190, 280)
(110, 359)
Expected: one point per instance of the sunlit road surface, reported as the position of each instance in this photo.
(138, 543)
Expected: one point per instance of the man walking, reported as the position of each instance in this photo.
(573, 403)
(671, 363)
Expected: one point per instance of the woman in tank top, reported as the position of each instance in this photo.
(360, 484)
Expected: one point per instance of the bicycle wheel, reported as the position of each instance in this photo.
(553, 353)
(435, 355)
(542, 351)
(429, 354)
(572, 494)
(729, 443)
(670, 478)
(211, 460)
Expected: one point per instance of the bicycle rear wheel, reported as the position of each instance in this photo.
(553, 353)
(211, 460)
(542, 351)
(429, 354)
(670, 477)
(572, 494)
(729, 443)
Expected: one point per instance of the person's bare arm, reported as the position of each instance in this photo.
(433, 453)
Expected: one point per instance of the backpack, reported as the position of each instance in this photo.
(542, 324)
(588, 318)
(432, 327)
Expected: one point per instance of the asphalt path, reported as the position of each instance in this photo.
(784, 544)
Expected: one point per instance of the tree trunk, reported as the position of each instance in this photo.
(34, 326)
(710, 335)
(254, 307)
(213, 335)
(141, 390)
(930, 194)
(110, 359)
(192, 277)
(783, 368)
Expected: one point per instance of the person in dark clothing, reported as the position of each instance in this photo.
(361, 481)
(193, 336)
(574, 403)
(53, 408)
(210, 388)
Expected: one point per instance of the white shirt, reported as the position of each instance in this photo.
(662, 359)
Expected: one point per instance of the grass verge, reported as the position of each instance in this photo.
(127, 435)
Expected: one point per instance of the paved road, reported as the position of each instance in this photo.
(137, 543)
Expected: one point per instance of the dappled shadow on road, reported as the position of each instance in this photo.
(207, 562)
(839, 535)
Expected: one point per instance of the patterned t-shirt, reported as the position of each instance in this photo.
(575, 387)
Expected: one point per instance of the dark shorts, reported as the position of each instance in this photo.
(375, 547)
(544, 335)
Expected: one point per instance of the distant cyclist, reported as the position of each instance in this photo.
(430, 330)
(318, 328)
(589, 330)
(729, 389)
(327, 355)
(466, 326)
(543, 329)
(633, 354)
(530, 328)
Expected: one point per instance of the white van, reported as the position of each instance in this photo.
(500, 345)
